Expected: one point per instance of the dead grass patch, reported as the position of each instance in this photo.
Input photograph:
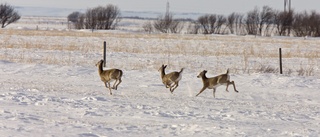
(170, 47)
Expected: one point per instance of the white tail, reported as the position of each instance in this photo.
(214, 82)
(170, 80)
(108, 75)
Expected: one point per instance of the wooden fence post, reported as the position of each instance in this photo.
(104, 53)
(280, 58)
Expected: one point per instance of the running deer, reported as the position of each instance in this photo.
(214, 82)
(170, 80)
(109, 75)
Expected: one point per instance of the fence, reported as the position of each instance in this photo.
(303, 62)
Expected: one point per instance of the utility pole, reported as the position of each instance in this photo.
(287, 4)
(167, 8)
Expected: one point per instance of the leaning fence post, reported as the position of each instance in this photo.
(104, 53)
(280, 59)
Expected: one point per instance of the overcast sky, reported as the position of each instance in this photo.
(194, 6)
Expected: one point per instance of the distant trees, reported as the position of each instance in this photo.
(283, 22)
(77, 19)
(258, 21)
(306, 24)
(167, 24)
(263, 22)
(266, 19)
(231, 19)
(101, 17)
(235, 23)
(8, 15)
(211, 24)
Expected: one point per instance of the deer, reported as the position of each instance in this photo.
(172, 79)
(109, 75)
(214, 82)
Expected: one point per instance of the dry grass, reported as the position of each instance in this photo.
(242, 54)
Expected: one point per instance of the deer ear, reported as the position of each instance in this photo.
(205, 71)
(165, 66)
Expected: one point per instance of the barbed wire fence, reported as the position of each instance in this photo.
(306, 63)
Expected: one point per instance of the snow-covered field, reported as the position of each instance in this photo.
(49, 84)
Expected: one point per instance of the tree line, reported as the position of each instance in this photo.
(264, 22)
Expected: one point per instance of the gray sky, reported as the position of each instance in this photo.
(195, 6)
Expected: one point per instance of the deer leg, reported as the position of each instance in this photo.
(113, 87)
(171, 87)
(234, 87)
(105, 83)
(109, 87)
(175, 86)
(118, 83)
(166, 84)
(214, 92)
(201, 91)
(169, 84)
(228, 82)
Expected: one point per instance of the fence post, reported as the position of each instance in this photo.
(280, 58)
(104, 53)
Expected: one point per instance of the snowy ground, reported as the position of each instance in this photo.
(49, 85)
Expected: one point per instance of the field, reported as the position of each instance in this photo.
(49, 84)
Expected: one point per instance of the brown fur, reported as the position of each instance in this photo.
(170, 80)
(108, 75)
(214, 82)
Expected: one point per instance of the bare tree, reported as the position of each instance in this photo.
(212, 23)
(266, 18)
(102, 17)
(166, 23)
(162, 24)
(74, 16)
(204, 23)
(231, 19)
(90, 19)
(283, 22)
(208, 23)
(81, 21)
(300, 24)
(221, 20)
(112, 14)
(235, 23)
(8, 15)
(239, 23)
(252, 21)
(77, 19)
